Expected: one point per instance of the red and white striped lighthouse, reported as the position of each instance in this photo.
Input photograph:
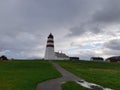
(49, 53)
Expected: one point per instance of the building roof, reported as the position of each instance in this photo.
(113, 59)
(61, 55)
(74, 58)
(97, 58)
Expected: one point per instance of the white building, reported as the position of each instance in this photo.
(50, 54)
(61, 56)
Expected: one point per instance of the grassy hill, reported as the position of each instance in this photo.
(103, 73)
(25, 75)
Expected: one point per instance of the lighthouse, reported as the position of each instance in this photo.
(49, 53)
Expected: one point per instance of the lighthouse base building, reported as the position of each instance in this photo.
(50, 54)
(61, 56)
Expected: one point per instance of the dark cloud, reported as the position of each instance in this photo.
(109, 52)
(106, 14)
(77, 31)
(111, 48)
(85, 28)
(113, 44)
(109, 13)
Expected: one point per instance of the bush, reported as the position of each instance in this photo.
(3, 58)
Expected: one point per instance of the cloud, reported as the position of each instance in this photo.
(83, 54)
(25, 25)
(21, 45)
(109, 52)
(109, 13)
(113, 44)
(76, 31)
(85, 28)
(105, 15)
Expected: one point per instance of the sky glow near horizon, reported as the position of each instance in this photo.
(83, 28)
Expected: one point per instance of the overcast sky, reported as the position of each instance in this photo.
(83, 28)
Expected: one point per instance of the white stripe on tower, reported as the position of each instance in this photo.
(49, 53)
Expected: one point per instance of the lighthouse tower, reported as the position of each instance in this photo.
(49, 53)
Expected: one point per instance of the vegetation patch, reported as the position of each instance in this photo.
(25, 75)
(72, 86)
(102, 73)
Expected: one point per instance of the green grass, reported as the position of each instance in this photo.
(25, 75)
(103, 73)
(72, 86)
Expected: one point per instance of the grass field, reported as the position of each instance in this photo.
(103, 73)
(25, 75)
(72, 86)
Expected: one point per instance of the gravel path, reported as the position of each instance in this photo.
(55, 84)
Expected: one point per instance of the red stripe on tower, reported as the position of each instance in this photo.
(50, 42)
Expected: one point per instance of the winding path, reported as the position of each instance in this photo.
(55, 84)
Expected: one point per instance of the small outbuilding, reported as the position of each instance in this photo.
(74, 58)
(96, 59)
(113, 59)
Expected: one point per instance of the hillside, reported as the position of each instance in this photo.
(102, 73)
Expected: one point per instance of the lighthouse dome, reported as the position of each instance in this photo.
(50, 36)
